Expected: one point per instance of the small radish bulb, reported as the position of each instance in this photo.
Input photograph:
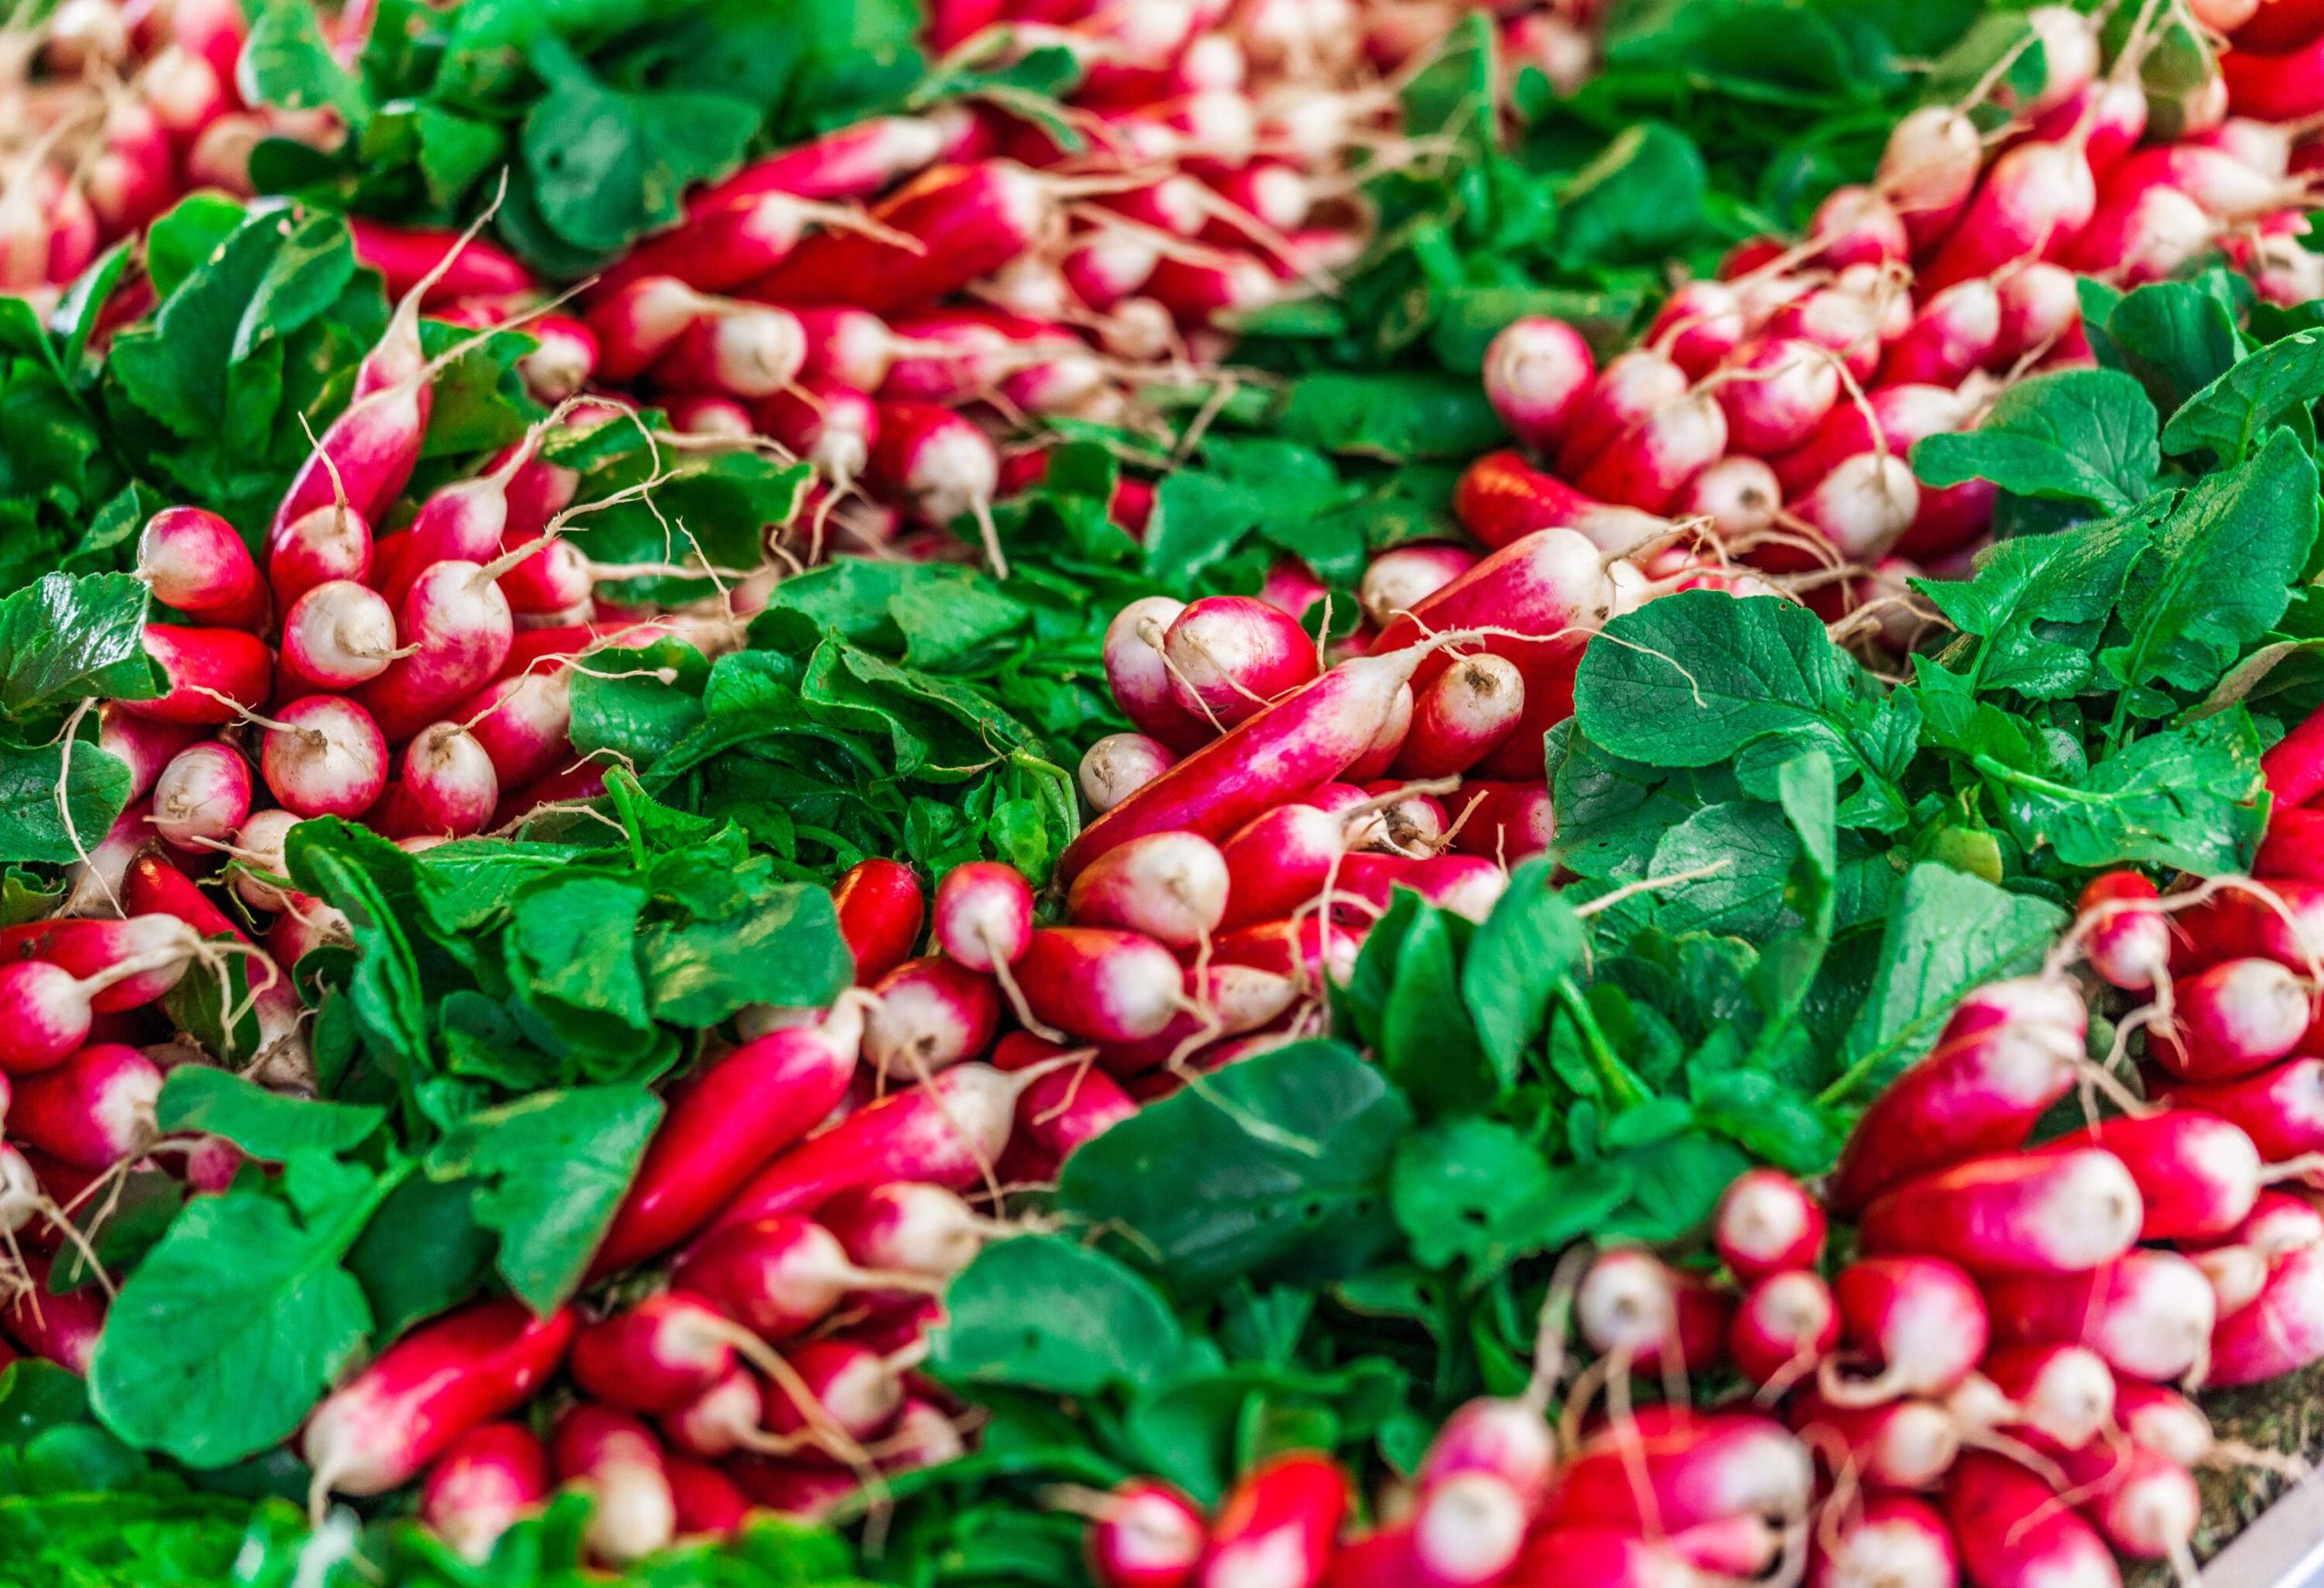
(340, 634)
(1766, 1222)
(1147, 1535)
(258, 856)
(1400, 578)
(1117, 765)
(1228, 656)
(983, 914)
(202, 796)
(1170, 886)
(1468, 1530)
(906, 1226)
(1537, 373)
(324, 756)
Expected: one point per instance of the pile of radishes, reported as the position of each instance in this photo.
(1775, 406)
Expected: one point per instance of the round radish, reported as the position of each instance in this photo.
(983, 914)
(1117, 765)
(338, 635)
(1537, 373)
(203, 795)
(1225, 656)
(258, 856)
(324, 756)
(1170, 886)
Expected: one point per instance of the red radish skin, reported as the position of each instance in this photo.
(324, 756)
(2063, 1393)
(655, 1355)
(723, 242)
(928, 1014)
(968, 221)
(50, 1012)
(1099, 983)
(1894, 1445)
(364, 458)
(1551, 587)
(196, 561)
(1222, 998)
(2294, 769)
(1503, 822)
(2279, 1332)
(1892, 1541)
(742, 352)
(1146, 1535)
(2126, 937)
(444, 265)
(1401, 576)
(200, 665)
(2280, 1107)
(204, 794)
(1380, 753)
(1501, 498)
(331, 542)
(1766, 1222)
(725, 1123)
(984, 915)
(1277, 1525)
(639, 320)
(1919, 1319)
(777, 1277)
(1465, 884)
(852, 161)
(93, 1110)
(2235, 923)
(2199, 1176)
(1675, 1469)
(1629, 388)
(1458, 720)
(2146, 1505)
(383, 1427)
(449, 786)
(705, 1503)
(1538, 371)
(143, 744)
(1785, 1324)
(1858, 225)
(1506, 1439)
(950, 1131)
(1955, 332)
(1650, 465)
(95, 882)
(880, 911)
(2149, 1315)
(2012, 1533)
(62, 1329)
(724, 1419)
(463, 521)
(1775, 393)
(1636, 1308)
(2040, 305)
(338, 635)
(2037, 197)
(1173, 887)
(1140, 680)
(854, 1392)
(2231, 1019)
(1467, 1530)
(906, 1226)
(1225, 656)
(2062, 1213)
(1864, 506)
(524, 724)
(494, 1476)
(2293, 847)
(616, 1460)
(461, 629)
(2009, 1052)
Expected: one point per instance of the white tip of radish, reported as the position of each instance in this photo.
(2089, 1211)
(1468, 1528)
(1626, 1304)
(20, 1192)
(1117, 765)
(259, 845)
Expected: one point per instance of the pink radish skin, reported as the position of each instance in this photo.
(326, 758)
(329, 543)
(1857, 225)
(1930, 169)
(1465, 884)
(1223, 998)
(2278, 1333)
(199, 665)
(438, 263)
(1552, 586)
(449, 785)
(706, 1503)
(196, 561)
(1501, 498)
(742, 352)
(1457, 720)
(1919, 1318)
(1633, 1307)
(1766, 1222)
(776, 1278)
(90, 1112)
(850, 346)
(860, 1391)
(372, 448)
(62, 1329)
(2109, 116)
(655, 1355)
(2060, 1213)
(1172, 887)
(906, 1226)
(1894, 1445)
(881, 913)
(935, 460)
(1740, 496)
(2040, 304)
(2009, 1052)
(2064, 1393)
(97, 882)
(1117, 765)
(1606, 1557)
(336, 636)
(1467, 1530)
(616, 1460)
(2012, 1533)
(1701, 324)
(493, 1477)
(1225, 656)
(50, 1012)
(723, 243)
(1900, 416)
(1064, 1109)
(204, 792)
(983, 914)
(1140, 680)
(1685, 1468)
(2231, 1019)
(1538, 372)
(523, 724)
(1147, 1536)
(1401, 577)
(724, 1124)
(379, 1430)
(1893, 1541)
(830, 425)
(2037, 197)
(1505, 1439)
(1785, 1324)
(853, 162)
(1505, 822)
(2146, 1505)
(2127, 938)
(143, 744)
(949, 1131)
(1278, 862)
(1630, 387)
(1099, 983)
(640, 320)
(968, 220)
(1845, 324)
(1650, 465)
(1381, 753)
(2199, 1176)
(2145, 236)
(2148, 1315)
(460, 622)
(1957, 330)
(1277, 1525)
(2165, 1422)
(1775, 393)
(928, 1014)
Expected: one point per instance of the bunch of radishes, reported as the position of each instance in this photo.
(1775, 407)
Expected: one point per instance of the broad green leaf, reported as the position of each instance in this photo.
(1514, 962)
(269, 1126)
(66, 639)
(2228, 416)
(2077, 435)
(1038, 1312)
(32, 825)
(783, 948)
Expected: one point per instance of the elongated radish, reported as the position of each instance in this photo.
(461, 267)
(1227, 657)
(2060, 1213)
(1929, 169)
(967, 220)
(849, 1388)
(2199, 1176)
(935, 462)
(1538, 372)
(199, 667)
(449, 785)
(523, 723)
(1650, 465)
(196, 561)
(92, 950)
(2148, 1314)
(1775, 393)
(1784, 1325)
(1549, 589)
(1766, 1222)
(777, 1277)
(1459, 719)
(725, 1123)
(2012, 1533)
(2128, 940)
(906, 1226)
(616, 1460)
(2231, 1019)
(1146, 1535)
(1919, 1318)
(1173, 887)
(2064, 1393)
(928, 1014)
(460, 627)
(705, 1503)
(324, 756)
(1891, 1445)
(2038, 196)
(1501, 498)
(1101, 984)
(1673, 1468)
(143, 744)
(743, 352)
(258, 850)
(1955, 330)
(2280, 1107)
(1465, 884)
(1863, 506)
(203, 793)
(493, 1477)
(950, 1131)
(93, 1110)
(50, 1012)
(2278, 1333)
(1627, 390)
(1467, 1530)
(1278, 1524)
(1892, 1541)
(654, 1354)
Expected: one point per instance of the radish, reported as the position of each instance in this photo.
(830, 425)
(1702, 322)
(51, 1011)
(2281, 1108)
(1631, 1305)
(1930, 169)
(1766, 1222)
(2231, 1019)
(1141, 678)
(853, 162)
(1551, 588)
(1467, 1530)
(2040, 305)
(62, 1329)
(523, 723)
(2147, 236)
(939, 464)
(203, 793)
(2012, 1533)
(967, 221)
(1631, 387)
(2279, 1222)
(906, 1226)
(1920, 1319)
(1848, 324)
(1857, 225)
(323, 756)
(493, 1477)
(1864, 506)
(211, 675)
(258, 851)
(1777, 392)
(443, 266)
(196, 561)
(658, 1354)
(1537, 373)
(1101, 984)
(2165, 1422)
(2236, 922)
(1227, 657)
(1955, 330)
(850, 1392)
(928, 1014)
(2062, 1212)
(1465, 884)
(563, 362)
(1460, 718)
(725, 1418)
(2198, 1175)
(92, 951)
(143, 745)
(804, 1493)
(984, 915)
(1501, 498)
(94, 883)
(2148, 1314)
(1310, 950)
(2110, 116)
(329, 543)
(2009, 1051)
(2146, 1505)
(1222, 998)
(705, 1503)
(1387, 742)
(1065, 1108)
(949, 1131)
(2070, 59)
(1891, 1541)
(449, 785)
(1893, 1445)
(2064, 1393)
(1672, 1468)
(1504, 822)
(1506, 1439)
(1117, 765)
(616, 1460)
(2278, 1333)
(379, 1429)
(460, 628)
(463, 521)
(1277, 1525)
(1650, 465)
(725, 1123)
(2127, 938)
(1144, 1535)
(640, 318)
(2038, 197)
(723, 242)
(92, 1110)
(1785, 1324)
(741, 351)
(337, 635)
(1172, 887)
(1401, 576)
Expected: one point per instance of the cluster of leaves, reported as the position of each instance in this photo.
(598, 115)
(487, 1045)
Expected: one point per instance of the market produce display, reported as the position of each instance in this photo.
(1291, 793)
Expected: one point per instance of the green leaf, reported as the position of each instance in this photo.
(223, 1336)
(286, 60)
(269, 1126)
(422, 1252)
(1738, 856)
(2076, 435)
(1395, 417)
(2040, 601)
(1475, 1190)
(1638, 199)
(2176, 337)
(2187, 798)
(1038, 1312)
(1296, 1146)
(556, 1165)
(1516, 958)
(2230, 413)
(96, 788)
(785, 948)
(64, 639)
(1427, 1043)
